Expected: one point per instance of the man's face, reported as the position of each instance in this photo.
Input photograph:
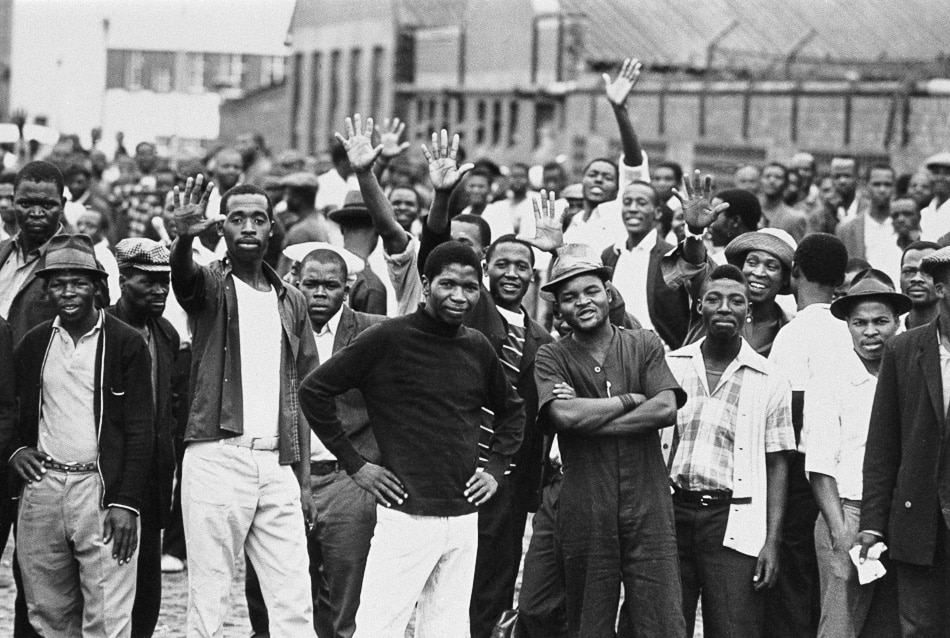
(145, 157)
(828, 194)
(638, 210)
(452, 293)
(726, 227)
(7, 213)
(584, 302)
(90, 224)
(553, 180)
(905, 217)
(724, 306)
(748, 178)
(146, 291)
(468, 234)
(247, 147)
(805, 166)
(228, 170)
(518, 181)
(405, 203)
(38, 206)
(765, 275)
(844, 172)
(773, 181)
(664, 181)
(73, 294)
(78, 185)
(916, 284)
(477, 187)
(872, 324)
(921, 188)
(247, 227)
(509, 274)
(940, 175)
(881, 186)
(324, 287)
(600, 183)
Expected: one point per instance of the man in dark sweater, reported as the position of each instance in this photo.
(424, 378)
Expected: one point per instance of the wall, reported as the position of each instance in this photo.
(263, 111)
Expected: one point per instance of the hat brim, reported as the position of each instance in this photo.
(745, 243)
(350, 214)
(841, 308)
(48, 272)
(604, 272)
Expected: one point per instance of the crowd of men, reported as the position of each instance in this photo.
(363, 378)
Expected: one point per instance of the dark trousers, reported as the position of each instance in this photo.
(148, 583)
(793, 605)
(173, 541)
(501, 523)
(923, 593)
(722, 577)
(338, 546)
(541, 606)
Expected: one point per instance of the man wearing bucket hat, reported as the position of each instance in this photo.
(906, 493)
(837, 412)
(144, 279)
(83, 445)
(935, 218)
(606, 391)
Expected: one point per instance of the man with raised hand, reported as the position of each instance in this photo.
(252, 343)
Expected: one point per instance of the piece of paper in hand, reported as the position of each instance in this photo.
(872, 569)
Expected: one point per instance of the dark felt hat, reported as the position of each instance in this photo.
(574, 260)
(869, 289)
(70, 252)
(354, 211)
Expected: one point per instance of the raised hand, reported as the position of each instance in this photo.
(191, 206)
(618, 90)
(359, 143)
(389, 134)
(548, 233)
(698, 211)
(444, 170)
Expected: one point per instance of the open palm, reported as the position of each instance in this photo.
(359, 143)
(444, 170)
(618, 89)
(548, 233)
(698, 211)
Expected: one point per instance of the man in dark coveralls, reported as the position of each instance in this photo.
(607, 391)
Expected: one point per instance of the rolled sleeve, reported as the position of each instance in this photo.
(404, 274)
(821, 432)
(779, 433)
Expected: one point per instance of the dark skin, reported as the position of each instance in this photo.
(143, 295)
(39, 208)
(510, 270)
(73, 294)
(725, 306)
(324, 286)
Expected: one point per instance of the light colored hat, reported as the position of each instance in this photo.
(301, 179)
(867, 288)
(297, 252)
(573, 260)
(771, 240)
(573, 191)
(935, 260)
(940, 159)
(70, 252)
(143, 254)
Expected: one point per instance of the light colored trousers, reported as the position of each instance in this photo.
(234, 497)
(72, 584)
(428, 560)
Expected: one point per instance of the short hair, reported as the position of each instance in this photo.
(554, 166)
(606, 160)
(856, 264)
(822, 258)
(777, 165)
(405, 187)
(744, 204)
(846, 157)
(520, 165)
(40, 172)
(481, 171)
(725, 272)
(76, 169)
(509, 239)
(919, 245)
(326, 256)
(141, 144)
(448, 253)
(673, 166)
(640, 182)
(484, 230)
(246, 189)
(881, 167)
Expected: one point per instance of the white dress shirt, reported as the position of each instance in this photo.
(935, 221)
(630, 277)
(880, 247)
(324, 338)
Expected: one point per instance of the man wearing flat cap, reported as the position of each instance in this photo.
(82, 445)
(606, 392)
(906, 496)
(935, 218)
(144, 278)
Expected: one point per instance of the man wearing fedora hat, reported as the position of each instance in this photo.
(935, 218)
(606, 391)
(304, 222)
(837, 410)
(369, 293)
(906, 493)
(83, 445)
(144, 278)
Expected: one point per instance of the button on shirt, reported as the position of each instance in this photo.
(67, 427)
(630, 277)
(837, 411)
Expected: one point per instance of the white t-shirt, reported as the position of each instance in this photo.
(260, 334)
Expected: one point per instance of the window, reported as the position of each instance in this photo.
(272, 70)
(194, 72)
(496, 123)
(481, 111)
(133, 70)
(229, 71)
(513, 113)
(158, 71)
(333, 108)
(376, 81)
(356, 77)
(316, 69)
(295, 101)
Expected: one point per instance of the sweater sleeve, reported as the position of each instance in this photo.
(345, 370)
(509, 416)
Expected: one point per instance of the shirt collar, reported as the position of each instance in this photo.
(41, 250)
(747, 356)
(330, 327)
(269, 273)
(58, 325)
(646, 244)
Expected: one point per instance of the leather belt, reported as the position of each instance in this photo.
(702, 498)
(71, 467)
(322, 468)
(261, 443)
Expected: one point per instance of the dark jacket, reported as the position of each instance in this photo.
(906, 462)
(668, 307)
(350, 406)
(7, 393)
(368, 294)
(123, 406)
(30, 307)
(162, 468)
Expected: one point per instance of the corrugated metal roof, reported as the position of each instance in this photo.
(679, 33)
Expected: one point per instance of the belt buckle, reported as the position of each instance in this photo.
(705, 500)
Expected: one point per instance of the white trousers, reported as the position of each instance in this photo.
(424, 560)
(234, 497)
